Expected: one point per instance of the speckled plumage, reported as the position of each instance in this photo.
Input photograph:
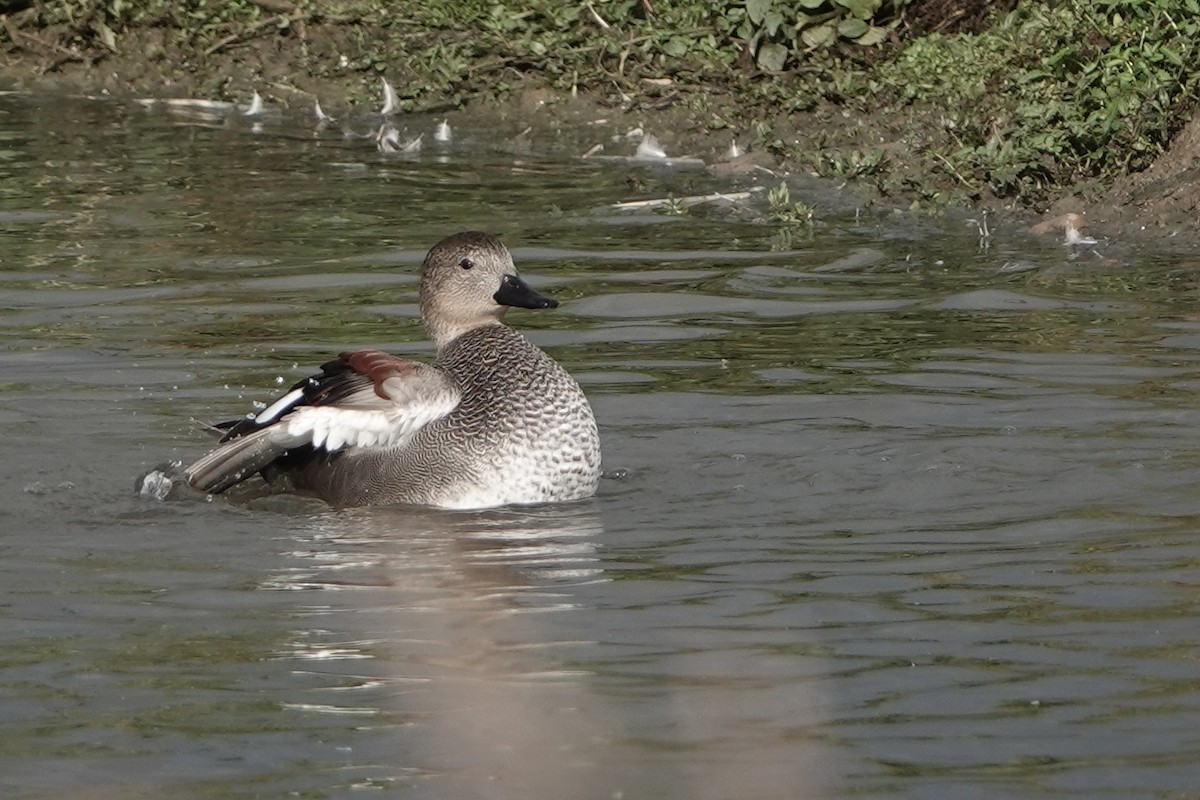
(493, 421)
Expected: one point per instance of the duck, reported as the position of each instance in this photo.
(492, 421)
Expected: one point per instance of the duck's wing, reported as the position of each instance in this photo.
(361, 399)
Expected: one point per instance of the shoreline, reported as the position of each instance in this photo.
(872, 152)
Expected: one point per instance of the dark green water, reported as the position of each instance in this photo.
(900, 517)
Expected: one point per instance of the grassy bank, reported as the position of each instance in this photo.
(922, 98)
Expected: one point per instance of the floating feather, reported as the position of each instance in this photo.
(388, 141)
(257, 106)
(391, 104)
(650, 148)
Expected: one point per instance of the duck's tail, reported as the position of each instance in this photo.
(235, 460)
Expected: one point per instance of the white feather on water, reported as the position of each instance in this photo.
(256, 108)
(391, 104)
(388, 140)
(649, 148)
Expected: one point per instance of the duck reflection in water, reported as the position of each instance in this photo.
(488, 647)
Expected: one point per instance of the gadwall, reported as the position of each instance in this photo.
(493, 421)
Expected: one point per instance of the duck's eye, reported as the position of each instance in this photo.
(466, 263)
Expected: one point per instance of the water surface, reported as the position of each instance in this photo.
(888, 514)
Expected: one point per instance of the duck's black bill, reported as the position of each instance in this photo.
(516, 292)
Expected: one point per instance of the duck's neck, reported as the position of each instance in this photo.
(446, 331)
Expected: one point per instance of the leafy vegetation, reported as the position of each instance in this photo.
(785, 213)
(1056, 93)
(775, 30)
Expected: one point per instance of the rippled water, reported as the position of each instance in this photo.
(888, 514)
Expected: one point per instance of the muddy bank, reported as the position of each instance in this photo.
(291, 69)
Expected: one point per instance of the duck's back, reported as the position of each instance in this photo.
(522, 433)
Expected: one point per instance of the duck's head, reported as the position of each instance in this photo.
(468, 280)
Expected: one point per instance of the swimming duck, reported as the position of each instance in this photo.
(492, 421)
